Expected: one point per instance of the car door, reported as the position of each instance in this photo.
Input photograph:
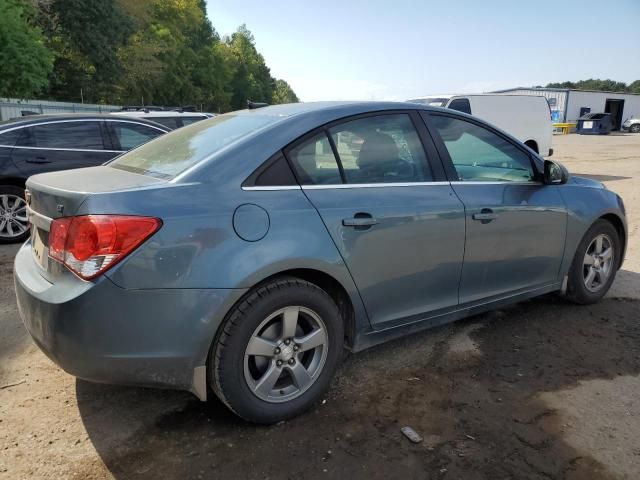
(60, 145)
(397, 225)
(515, 224)
(128, 134)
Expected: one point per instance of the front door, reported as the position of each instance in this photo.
(515, 225)
(399, 231)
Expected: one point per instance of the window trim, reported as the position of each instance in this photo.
(35, 124)
(430, 152)
(451, 172)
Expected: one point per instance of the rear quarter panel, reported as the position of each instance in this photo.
(198, 247)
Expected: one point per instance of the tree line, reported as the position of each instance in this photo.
(152, 52)
(600, 85)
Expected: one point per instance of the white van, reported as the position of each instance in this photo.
(526, 117)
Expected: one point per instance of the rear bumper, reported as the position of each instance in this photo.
(101, 332)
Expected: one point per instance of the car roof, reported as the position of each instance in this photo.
(339, 107)
(36, 119)
(159, 113)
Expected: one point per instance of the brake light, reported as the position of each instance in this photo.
(88, 245)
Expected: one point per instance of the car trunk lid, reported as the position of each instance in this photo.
(61, 194)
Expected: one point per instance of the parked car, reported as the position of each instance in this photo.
(631, 125)
(169, 118)
(44, 143)
(526, 117)
(241, 255)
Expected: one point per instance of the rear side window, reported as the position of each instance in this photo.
(314, 161)
(169, 122)
(189, 120)
(381, 149)
(64, 135)
(129, 135)
(181, 149)
(461, 105)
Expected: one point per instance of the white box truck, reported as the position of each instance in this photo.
(526, 117)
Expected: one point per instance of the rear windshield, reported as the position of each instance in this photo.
(173, 153)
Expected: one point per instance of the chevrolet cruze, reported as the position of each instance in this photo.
(242, 254)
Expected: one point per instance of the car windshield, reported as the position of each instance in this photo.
(173, 153)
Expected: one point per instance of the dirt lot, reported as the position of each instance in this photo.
(544, 389)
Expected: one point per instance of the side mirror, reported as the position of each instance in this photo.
(555, 173)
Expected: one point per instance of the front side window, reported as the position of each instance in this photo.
(480, 155)
(130, 135)
(381, 149)
(9, 139)
(314, 161)
(65, 135)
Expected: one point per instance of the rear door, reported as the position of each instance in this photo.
(60, 145)
(515, 224)
(397, 224)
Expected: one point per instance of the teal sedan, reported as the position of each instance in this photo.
(241, 255)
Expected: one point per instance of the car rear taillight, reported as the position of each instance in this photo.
(88, 245)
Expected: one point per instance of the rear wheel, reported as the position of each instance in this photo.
(635, 128)
(595, 264)
(277, 351)
(14, 226)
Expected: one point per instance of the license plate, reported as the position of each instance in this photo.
(40, 251)
(587, 124)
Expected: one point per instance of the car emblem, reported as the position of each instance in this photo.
(60, 208)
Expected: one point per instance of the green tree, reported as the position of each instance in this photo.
(283, 93)
(86, 36)
(26, 61)
(634, 87)
(593, 84)
(252, 79)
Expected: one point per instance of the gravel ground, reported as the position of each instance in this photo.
(543, 389)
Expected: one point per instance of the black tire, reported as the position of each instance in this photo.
(635, 128)
(227, 374)
(11, 191)
(577, 290)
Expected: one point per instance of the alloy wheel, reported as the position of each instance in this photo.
(13, 216)
(597, 265)
(286, 354)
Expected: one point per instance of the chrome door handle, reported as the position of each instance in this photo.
(485, 215)
(359, 222)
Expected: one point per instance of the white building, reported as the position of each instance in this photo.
(568, 105)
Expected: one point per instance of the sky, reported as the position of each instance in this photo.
(401, 49)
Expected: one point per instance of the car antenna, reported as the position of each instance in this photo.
(253, 105)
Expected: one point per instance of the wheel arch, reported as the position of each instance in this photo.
(14, 181)
(329, 284)
(618, 224)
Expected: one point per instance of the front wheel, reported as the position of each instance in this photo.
(277, 351)
(595, 264)
(635, 128)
